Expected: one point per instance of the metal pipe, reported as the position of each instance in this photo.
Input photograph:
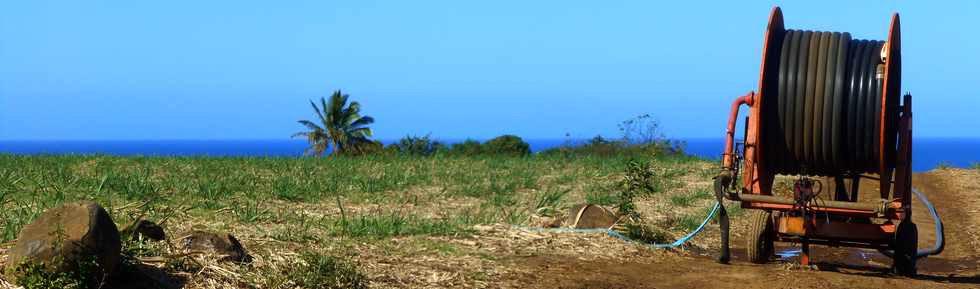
(747, 99)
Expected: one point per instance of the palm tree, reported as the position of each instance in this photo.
(340, 126)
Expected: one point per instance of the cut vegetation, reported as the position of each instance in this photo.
(378, 221)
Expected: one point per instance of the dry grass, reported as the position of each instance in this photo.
(403, 222)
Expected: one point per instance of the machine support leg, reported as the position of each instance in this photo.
(723, 224)
(805, 253)
(855, 185)
(840, 190)
(722, 181)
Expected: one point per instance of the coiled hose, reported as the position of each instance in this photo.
(825, 117)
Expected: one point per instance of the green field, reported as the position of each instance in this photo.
(338, 211)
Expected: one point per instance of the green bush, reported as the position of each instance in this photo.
(417, 146)
(372, 147)
(507, 144)
(603, 147)
(638, 180)
(468, 147)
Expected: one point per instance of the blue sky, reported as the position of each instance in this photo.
(455, 69)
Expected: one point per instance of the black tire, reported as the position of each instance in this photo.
(905, 246)
(761, 237)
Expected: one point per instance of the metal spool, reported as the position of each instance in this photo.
(828, 102)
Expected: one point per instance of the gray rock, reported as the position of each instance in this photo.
(224, 245)
(70, 238)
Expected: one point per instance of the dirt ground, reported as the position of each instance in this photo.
(957, 267)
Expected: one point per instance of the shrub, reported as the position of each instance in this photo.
(507, 145)
(600, 146)
(468, 147)
(417, 146)
(603, 147)
(372, 147)
(642, 129)
(638, 180)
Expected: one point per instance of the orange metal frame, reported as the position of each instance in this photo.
(895, 163)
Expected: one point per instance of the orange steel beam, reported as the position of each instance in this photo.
(816, 228)
(893, 211)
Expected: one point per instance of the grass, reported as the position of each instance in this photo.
(383, 225)
(944, 165)
(316, 270)
(601, 198)
(244, 190)
(247, 186)
(329, 205)
(549, 202)
(36, 276)
(685, 200)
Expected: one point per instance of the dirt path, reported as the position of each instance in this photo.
(952, 191)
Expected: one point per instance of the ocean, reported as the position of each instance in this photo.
(927, 153)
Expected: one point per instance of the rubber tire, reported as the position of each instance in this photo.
(905, 247)
(760, 247)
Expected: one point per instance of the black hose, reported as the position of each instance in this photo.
(800, 97)
(819, 98)
(827, 112)
(837, 137)
(787, 77)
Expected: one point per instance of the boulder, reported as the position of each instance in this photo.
(75, 238)
(589, 216)
(146, 229)
(224, 245)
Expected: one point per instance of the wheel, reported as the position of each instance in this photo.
(761, 237)
(905, 246)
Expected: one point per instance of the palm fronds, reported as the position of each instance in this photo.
(340, 126)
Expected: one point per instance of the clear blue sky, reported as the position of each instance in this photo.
(539, 69)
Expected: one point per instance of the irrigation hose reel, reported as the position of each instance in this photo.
(828, 107)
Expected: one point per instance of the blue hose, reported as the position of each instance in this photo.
(677, 243)
(937, 222)
(940, 231)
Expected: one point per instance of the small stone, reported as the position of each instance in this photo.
(70, 238)
(589, 216)
(224, 245)
(147, 229)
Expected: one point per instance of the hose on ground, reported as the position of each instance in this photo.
(613, 233)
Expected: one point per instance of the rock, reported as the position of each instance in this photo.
(147, 229)
(224, 245)
(75, 237)
(545, 222)
(589, 216)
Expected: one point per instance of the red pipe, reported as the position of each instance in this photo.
(747, 99)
